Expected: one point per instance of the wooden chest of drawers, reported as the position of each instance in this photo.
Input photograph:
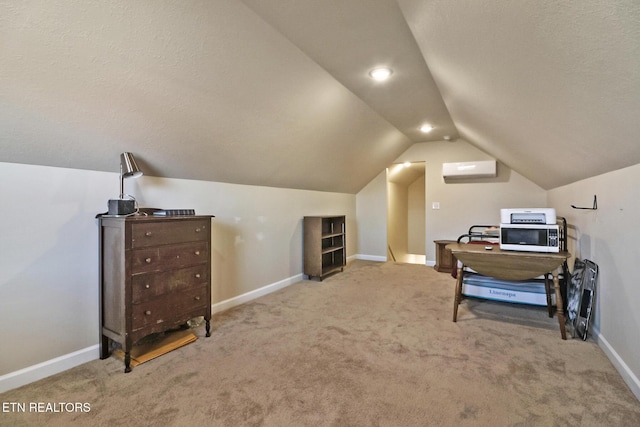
(155, 274)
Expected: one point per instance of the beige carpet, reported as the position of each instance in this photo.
(373, 346)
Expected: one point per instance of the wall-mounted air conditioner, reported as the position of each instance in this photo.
(480, 169)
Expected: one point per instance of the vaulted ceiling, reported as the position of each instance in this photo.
(277, 92)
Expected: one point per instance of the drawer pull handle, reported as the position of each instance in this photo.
(197, 230)
(148, 260)
(147, 286)
(148, 234)
(147, 313)
(197, 252)
(197, 275)
(196, 298)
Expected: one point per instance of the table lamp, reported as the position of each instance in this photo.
(125, 204)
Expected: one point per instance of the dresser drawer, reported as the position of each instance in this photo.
(164, 258)
(169, 232)
(150, 285)
(168, 307)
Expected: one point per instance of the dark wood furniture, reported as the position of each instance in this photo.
(155, 275)
(509, 265)
(325, 249)
(444, 258)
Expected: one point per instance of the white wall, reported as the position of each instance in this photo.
(49, 250)
(462, 203)
(406, 219)
(371, 211)
(467, 202)
(417, 215)
(398, 219)
(257, 232)
(609, 237)
(49, 261)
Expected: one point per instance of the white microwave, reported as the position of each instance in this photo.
(530, 237)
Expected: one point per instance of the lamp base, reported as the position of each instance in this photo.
(121, 207)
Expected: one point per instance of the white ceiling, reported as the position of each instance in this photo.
(276, 92)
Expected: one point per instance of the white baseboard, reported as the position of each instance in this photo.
(379, 258)
(50, 367)
(249, 296)
(623, 369)
(369, 257)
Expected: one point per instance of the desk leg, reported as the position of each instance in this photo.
(559, 304)
(547, 289)
(458, 295)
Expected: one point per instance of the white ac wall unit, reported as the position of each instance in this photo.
(480, 169)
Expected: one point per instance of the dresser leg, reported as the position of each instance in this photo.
(208, 327)
(104, 347)
(127, 362)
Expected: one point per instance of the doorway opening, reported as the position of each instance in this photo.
(406, 213)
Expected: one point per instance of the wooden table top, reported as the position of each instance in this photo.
(507, 265)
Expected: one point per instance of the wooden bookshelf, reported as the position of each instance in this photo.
(324, 245)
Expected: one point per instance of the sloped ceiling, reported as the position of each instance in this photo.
(276, 92)
(550, 88)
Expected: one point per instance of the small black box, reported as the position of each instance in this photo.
(121, 207)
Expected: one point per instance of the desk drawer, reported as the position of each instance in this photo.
(169, 232)
(164, 258)
(166, 308)
(150, 285)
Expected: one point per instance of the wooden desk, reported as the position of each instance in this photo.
(509, 265)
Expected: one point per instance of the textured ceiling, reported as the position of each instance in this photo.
(550, 88)
(276, 92)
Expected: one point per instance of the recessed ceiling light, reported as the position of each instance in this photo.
(380, 74)
(426, 128)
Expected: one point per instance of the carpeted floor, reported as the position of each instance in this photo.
(373, 346)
